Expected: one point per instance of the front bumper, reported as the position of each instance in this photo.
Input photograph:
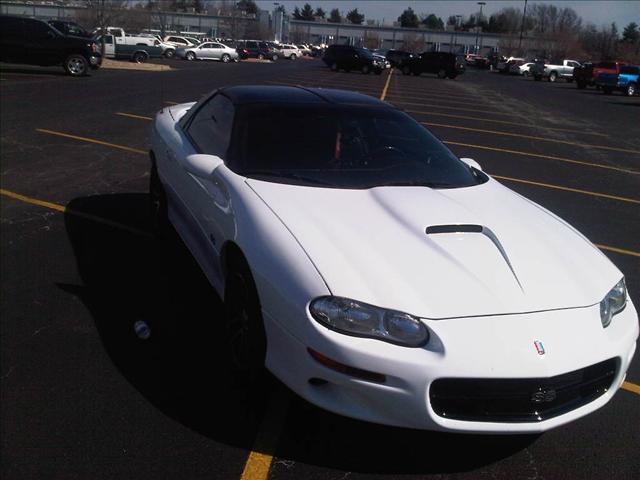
(500, 347)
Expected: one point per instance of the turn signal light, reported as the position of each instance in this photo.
(346, 369)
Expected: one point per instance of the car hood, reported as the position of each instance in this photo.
(489, 251)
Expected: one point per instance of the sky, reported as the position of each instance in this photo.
(599, 12)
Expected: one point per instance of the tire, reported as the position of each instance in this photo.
(158, 211)
(378, 72)
(526, 74)
(139, 57)
(260, 56)
(581, 85)
(76, 65)
(190, 56)
(169, 53)
(537, 78)
(274, 57)
(452, 76)
(631, 90)
(406, 70)
(366, 69)
(553, 76)
(225, 58)
(334, 67)
(607, 90)
(246, 338)
(293, 56)
(442, 73)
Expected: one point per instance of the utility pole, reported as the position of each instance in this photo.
(477, 26)
(524, 14)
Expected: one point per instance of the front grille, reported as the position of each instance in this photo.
(520, 399)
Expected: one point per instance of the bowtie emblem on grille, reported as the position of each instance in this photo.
(543, 395)
(539, 347)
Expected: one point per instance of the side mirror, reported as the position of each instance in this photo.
(202, 165)
(472, 163)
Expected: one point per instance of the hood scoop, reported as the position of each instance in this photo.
(470, 228)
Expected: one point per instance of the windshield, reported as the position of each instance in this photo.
(353, 147)
(364, 53)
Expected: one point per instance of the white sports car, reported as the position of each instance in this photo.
(381, 277)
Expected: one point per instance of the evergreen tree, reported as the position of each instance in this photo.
(355, 17)
(334, 16)
(409, 19)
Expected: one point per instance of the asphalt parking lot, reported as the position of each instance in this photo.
(83, 397)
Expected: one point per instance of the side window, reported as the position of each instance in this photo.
(11, 28)
(36, 30)
(108, 39)
(210, 129)
(215, 45)
(252, 45)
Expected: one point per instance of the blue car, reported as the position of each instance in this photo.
(626, 81)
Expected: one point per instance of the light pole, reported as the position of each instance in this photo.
(455, 29)
(477, 27)
(524, 14)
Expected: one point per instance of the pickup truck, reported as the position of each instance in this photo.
(587, 73)
(553, 71)
(122, 38)
(135, 53)
(626, 81)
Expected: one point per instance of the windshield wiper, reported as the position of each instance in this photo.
(289, 175)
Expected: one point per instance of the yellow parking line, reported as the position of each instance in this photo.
(91, 140)
(259, 460)
(631, 387)
(539, 155)
(386, 85)
(506, 122)
(70, 211)
(542, 139)
(618, 250)
(442, 107)
(568, 189)
(131, 115)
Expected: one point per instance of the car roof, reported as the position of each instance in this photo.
(275, 94)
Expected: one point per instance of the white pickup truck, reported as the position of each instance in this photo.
(120, 37)
(562, 70)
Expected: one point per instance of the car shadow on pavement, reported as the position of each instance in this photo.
(54, 71)
(181, 369)
(129, 277)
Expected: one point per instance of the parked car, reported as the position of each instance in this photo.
(395, 57)
(381, 59)
(181, 42)
(347, 58)
(556, 70)
(525, 69)
(289, 51)
(441, 63)
(259, 49)
(121, 51)
(627, 81)
(34, 42)
(304, 49)
(586, 74)
(209, 51)
(243, 53)
(378, 275)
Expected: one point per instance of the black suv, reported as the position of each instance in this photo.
(34, 42)
(441, 63)
(258, 49)
(395, 57)
(348, 58)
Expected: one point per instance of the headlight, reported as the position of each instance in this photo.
(363, 320)
(613, 302)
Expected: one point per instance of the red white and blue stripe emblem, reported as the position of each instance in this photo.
(539, 347)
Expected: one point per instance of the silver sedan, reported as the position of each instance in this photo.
(209, 51)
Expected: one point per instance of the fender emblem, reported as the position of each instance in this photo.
(539, 347)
